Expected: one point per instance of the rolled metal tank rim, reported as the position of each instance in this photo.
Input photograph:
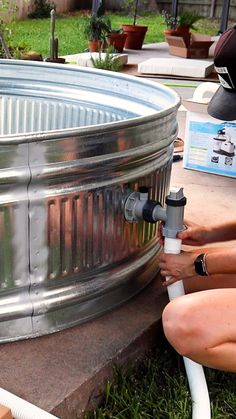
(22, 65)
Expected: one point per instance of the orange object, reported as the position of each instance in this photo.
(5, 412)
(198, 47)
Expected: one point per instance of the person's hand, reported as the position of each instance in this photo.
(177, 267)
(194, 234)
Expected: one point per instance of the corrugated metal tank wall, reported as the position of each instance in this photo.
(75, 142)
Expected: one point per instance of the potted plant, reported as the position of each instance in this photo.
(170, 22)
(116, 38)
(181, 25)
(96, 28)
(186, 21)
(135, 33)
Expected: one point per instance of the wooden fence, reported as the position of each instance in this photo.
(26, 6)
(207, 8)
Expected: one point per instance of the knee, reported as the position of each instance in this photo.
(181, 326)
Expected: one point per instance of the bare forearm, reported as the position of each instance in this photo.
(221, 261)
(221, 232)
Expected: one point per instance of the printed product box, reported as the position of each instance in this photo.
(210, 144)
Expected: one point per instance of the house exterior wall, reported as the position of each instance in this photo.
(24, 7)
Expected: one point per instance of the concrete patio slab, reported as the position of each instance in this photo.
(158, 50)
(65, 373)
(155, 50)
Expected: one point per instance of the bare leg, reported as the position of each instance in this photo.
(202, 326)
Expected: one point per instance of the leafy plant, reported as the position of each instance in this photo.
(117, 30)
(108, 62)
(185, 19)
(188, 19)
(170, 21)
(42, 9)
(6, 8)
(112, 29)
(97, 25)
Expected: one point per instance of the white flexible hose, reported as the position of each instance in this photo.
(201, 408)
(21, 409)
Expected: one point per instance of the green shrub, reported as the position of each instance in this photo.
(7, 13)
(106, 63)
(42, 9)
(188, 19)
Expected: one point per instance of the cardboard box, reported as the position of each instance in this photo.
(210, 144)
(198, 48)
(5, 412)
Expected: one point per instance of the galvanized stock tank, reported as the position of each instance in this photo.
(74, 142)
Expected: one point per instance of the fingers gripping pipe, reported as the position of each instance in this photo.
(137, 207)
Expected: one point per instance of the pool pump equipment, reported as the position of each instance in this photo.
(223, 145)
(137, 207)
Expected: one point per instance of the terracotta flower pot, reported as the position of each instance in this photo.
(94, 45)
(181, 31)
(185, 33)
(170, 32)
(135, 36)
(117, 40)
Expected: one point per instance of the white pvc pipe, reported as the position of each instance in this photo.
(201, 408)
(21, 409)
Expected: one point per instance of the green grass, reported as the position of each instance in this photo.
(158, 389)
(34, 34)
